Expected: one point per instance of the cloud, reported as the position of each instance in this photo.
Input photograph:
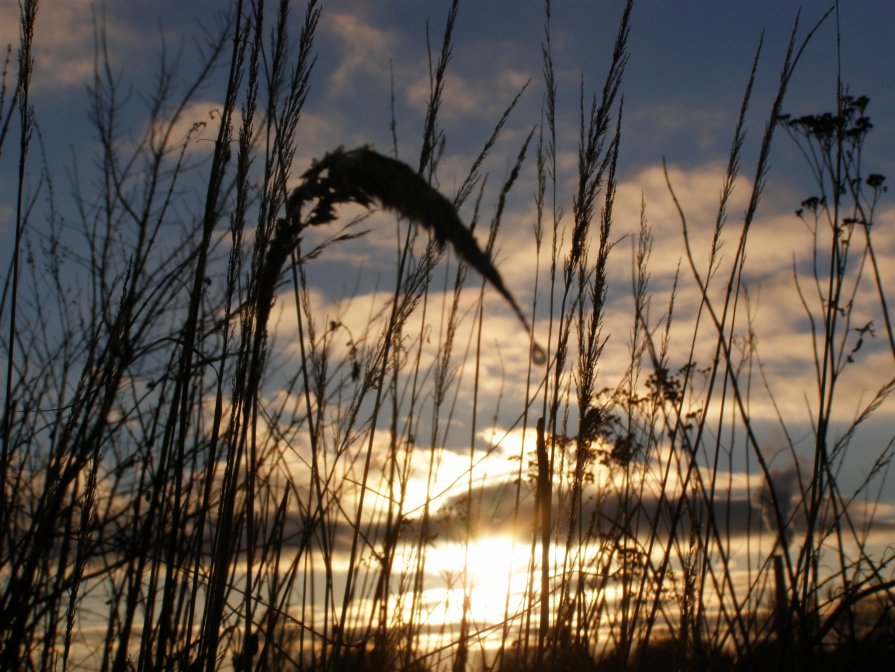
(776, 496)
(365, 51)
(360, 319)
(198, 123)
(319, 132)
(770, 304)
(694, 131)
(469, 97)
(737, 512)
(781, 331)
(64, 36)
(195, 129)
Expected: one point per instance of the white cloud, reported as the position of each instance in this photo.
(781, 329)
(365, 51)
(196, 126)
(64, 37)
(469, 97)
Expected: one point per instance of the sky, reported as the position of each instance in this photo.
(683, 86)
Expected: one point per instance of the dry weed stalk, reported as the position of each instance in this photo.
(364, 176)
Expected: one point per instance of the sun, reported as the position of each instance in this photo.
(496, 573)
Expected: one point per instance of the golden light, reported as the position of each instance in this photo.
(495, 570)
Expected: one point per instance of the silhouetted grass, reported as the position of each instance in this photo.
(181, 492)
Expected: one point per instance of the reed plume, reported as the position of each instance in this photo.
(364, 176)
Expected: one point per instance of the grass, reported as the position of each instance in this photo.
(180, 491)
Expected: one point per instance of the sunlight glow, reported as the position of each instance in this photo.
(497, 568)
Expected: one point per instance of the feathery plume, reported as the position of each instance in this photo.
(364, 176)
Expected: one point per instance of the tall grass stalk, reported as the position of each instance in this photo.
(203, 467)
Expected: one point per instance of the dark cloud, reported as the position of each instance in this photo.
(610, 510)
